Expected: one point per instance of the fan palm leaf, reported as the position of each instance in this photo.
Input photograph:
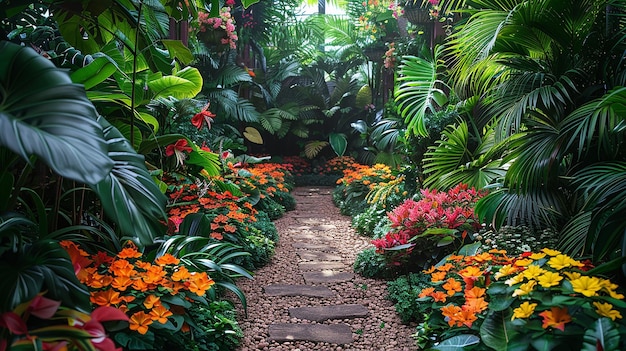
(419, 91)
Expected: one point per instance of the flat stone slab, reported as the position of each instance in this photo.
(311, 246)
(321, 265)
(323, 227)
(318, 256)
(322, 313)
(334, 334)
(298, 290)
(313, 238)
(327, 277)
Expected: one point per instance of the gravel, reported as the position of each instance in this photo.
(380, 330)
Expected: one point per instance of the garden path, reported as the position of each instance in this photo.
(307, 297)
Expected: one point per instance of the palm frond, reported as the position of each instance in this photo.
(418, 91)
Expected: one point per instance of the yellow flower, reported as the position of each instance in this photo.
(505, 271)
(572, 275)
(550, 252)
(525, 288)
(549, 279)
(524, 310)
(588, 286)
(533, 271)
(606, 310)
(537, 256)
(515, 280)
(559, 262)
(523, 262)
(610, 289)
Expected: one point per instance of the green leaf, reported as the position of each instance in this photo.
(209, 161)
(43, 113)
(338, 142)
(184, 84)
(470, 249)
(494, 331)
(94, 73)
(6, 183)
(457, 343)
(43, 265)
(128, 194)
(178, 50)
(253, 135)
(603, 333)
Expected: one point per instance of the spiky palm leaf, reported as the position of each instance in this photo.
(420, 91)
(454, 160)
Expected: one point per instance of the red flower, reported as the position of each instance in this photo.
(180, 145)
(203, 116)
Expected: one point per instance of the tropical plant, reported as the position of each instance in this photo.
(557, 98)
(545, 297)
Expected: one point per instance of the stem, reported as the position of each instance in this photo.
(134, 79)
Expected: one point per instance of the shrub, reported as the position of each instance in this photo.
(543, 300)
(371, 265)
(425, 231)
(404, 291)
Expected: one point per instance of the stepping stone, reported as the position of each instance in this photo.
(322, 313)
(298, 290)
(311, 246)
(300, 228)
(327, 277)
(318, 266)
(333, 334)
(318, 256)
(311, 237)
(309, 220)
(323, 227)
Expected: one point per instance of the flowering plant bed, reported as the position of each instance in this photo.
(544, 300)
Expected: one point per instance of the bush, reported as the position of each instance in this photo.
(546, 299)
(516, 240)
(372, 265)
(217, 329)
(286, 200)
(404, 291)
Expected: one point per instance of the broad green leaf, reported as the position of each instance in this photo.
(494, 331)
(253, 135)
(602, 333)
(43, 113)
(178, 50)
(184, 84)
(43, 265)
(457, 343)
(149, 120)
(205, 159)
(128, 194)
(94, 73)
(338, 142)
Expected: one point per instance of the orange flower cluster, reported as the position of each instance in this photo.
(338, 165)
(462, 282)
(139, 288)
(297, 165)
(269, 177)
(191, 198)
(370, 176)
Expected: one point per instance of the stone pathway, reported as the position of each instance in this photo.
(307, 298)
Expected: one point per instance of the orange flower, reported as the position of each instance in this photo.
(426, 292)
(153, 275)
(99, 281)
(216, 236)
(129, 252)
(230, 228)
(167, 259)
(160, 314)
(199, 283)
(140, 285)
(140, 321)
(475, 305)
(122, 268)
(474, 293)
(105, 298)
(151, 301)
(452, 286)
(438, 276)
(439, 296)
(445, 267)
(181, 274)
(556, 318)
(121, 283)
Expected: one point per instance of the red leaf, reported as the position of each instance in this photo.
(14, 323)
(43, 307)
(108, 313)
